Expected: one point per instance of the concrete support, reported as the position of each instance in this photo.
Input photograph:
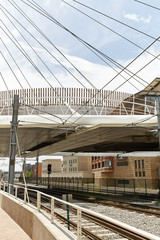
(13, 141)
(79, 224)
(52, 210)
(38, 201)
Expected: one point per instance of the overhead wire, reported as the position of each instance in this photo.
(127, 67)
(48, 40)
(113, 62)
(140, 47)
(47, 15)
(11, 69)
(24, 53)
(116, 20)
(23, 14)
(15, 63)
(18, 80)
(31, 47)
(146, 4)
(5, 83)
(34, 52)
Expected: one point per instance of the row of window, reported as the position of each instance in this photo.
(139, 163)
(107, 163)
(72, 161)
(73, 169)
(95, 158)
(140, 174)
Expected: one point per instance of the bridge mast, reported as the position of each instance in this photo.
(13, 141)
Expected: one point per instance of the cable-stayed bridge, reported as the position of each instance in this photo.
(79, 120)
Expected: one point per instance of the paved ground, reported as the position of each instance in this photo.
(9, 230)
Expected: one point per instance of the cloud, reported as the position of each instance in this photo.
(138, 18)
(98, 74)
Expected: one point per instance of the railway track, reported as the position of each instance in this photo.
(93, 228)
(144, 209)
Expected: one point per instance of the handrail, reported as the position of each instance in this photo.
(125, 226)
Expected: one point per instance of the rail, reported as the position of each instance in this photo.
(123, 228)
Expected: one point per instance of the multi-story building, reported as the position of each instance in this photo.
(144, 165)
(77, 166)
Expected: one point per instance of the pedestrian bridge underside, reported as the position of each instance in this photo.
(59, 120)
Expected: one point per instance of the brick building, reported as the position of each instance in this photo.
(34, 170)
(142, 165)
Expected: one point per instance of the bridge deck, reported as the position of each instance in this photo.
(9, 229)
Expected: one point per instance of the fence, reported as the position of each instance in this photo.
(59, 207)
(102, 185)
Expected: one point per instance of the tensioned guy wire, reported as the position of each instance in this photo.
(93, 49)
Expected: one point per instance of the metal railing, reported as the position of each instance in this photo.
(52, 201)
(145, 187)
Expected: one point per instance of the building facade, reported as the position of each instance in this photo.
(34, 170)
(56, 167)
(77, 167)
(136, 166)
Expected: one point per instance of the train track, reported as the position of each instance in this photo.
(144, 209)
(93, 228)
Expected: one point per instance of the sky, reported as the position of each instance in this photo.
(109, 38)
(47, 47)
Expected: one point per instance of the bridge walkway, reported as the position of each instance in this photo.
(9, 229)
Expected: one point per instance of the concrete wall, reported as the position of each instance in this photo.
(37, 226)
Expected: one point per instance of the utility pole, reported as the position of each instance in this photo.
(13, 141)
(158, 116)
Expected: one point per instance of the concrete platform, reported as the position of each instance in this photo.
(10, 230)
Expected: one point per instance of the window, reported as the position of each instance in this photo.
(123, 181)
(139, 174)
(135, 163)
(99, 165)
(136, 174)
(108, 163)
(96, 165)
(143, 163)
(92, 166)
(139, 163)
(122, 164)
(144, 174)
